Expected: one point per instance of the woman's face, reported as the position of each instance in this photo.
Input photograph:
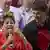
(9, 24)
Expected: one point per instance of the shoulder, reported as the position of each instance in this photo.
(31, 26)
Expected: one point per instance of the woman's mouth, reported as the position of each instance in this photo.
(9, 27)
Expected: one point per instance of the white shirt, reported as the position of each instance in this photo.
(22, 13)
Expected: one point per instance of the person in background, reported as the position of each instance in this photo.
(11, 39)
(14, 5)
(23, 14)
(36, 31)
(10, 4)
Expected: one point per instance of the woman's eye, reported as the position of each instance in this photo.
(7, 22)
(11, 22)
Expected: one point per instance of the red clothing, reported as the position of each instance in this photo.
(43, 38)
(18, 43)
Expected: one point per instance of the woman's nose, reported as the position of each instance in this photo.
(9, 23)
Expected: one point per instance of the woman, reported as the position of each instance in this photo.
(9, 38)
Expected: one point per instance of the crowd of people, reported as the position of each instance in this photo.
(24, 24)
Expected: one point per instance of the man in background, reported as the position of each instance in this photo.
(24, 13)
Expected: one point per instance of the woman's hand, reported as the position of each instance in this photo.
(9, 39)
(7, 43)
(11, 45)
